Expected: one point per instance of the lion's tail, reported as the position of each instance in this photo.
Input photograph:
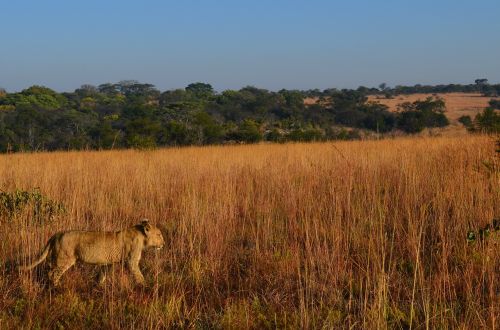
(40, 259)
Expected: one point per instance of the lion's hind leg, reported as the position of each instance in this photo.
(103, 273)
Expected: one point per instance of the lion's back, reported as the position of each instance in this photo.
(93, 246)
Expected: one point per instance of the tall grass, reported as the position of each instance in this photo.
(333, 235)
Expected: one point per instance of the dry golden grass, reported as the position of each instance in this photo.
(363, 235)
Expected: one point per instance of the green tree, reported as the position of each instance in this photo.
(135, 89)
(142, 133)
(484, 87)
(108, 89)
(86, 91)
(411, 121)
(382, 87)
(200, 90)
(174, 97)
(176, 133)
(209, 131)
(248, 131)
(420, 114)
(37, 97)
(105, 136)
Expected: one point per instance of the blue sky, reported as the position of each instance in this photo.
(271, 44)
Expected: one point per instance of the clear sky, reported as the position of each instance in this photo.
(271, 44)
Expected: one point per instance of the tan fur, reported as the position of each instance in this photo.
(64, 249)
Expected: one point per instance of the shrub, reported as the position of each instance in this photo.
(274, 136)
(488, 121)
(466, 121)
(39, 206)
(248, 131)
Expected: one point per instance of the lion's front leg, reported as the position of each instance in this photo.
(133, 266)
(136, 273)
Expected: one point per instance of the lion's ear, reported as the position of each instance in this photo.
(145, 226)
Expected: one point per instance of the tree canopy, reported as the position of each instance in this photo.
(131, 114)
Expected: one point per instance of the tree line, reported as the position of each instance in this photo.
(481, 86)
(130, 114)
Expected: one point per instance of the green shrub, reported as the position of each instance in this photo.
(39, 206)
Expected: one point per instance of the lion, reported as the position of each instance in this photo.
(64, 249)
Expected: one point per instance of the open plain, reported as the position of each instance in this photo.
(362, 234)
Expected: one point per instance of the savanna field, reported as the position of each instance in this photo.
(355, 235)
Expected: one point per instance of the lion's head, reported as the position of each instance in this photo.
(154, 237)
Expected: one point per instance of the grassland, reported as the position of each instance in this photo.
(362, 234)
(457, 104)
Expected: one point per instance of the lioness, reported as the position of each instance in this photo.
(64, 249)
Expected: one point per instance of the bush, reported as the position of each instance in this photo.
(411, 122)
(488, 121)
(306, 135)
(466, 121)
(248, 131)
(39, 206)
(495, 104)
(274, 135)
